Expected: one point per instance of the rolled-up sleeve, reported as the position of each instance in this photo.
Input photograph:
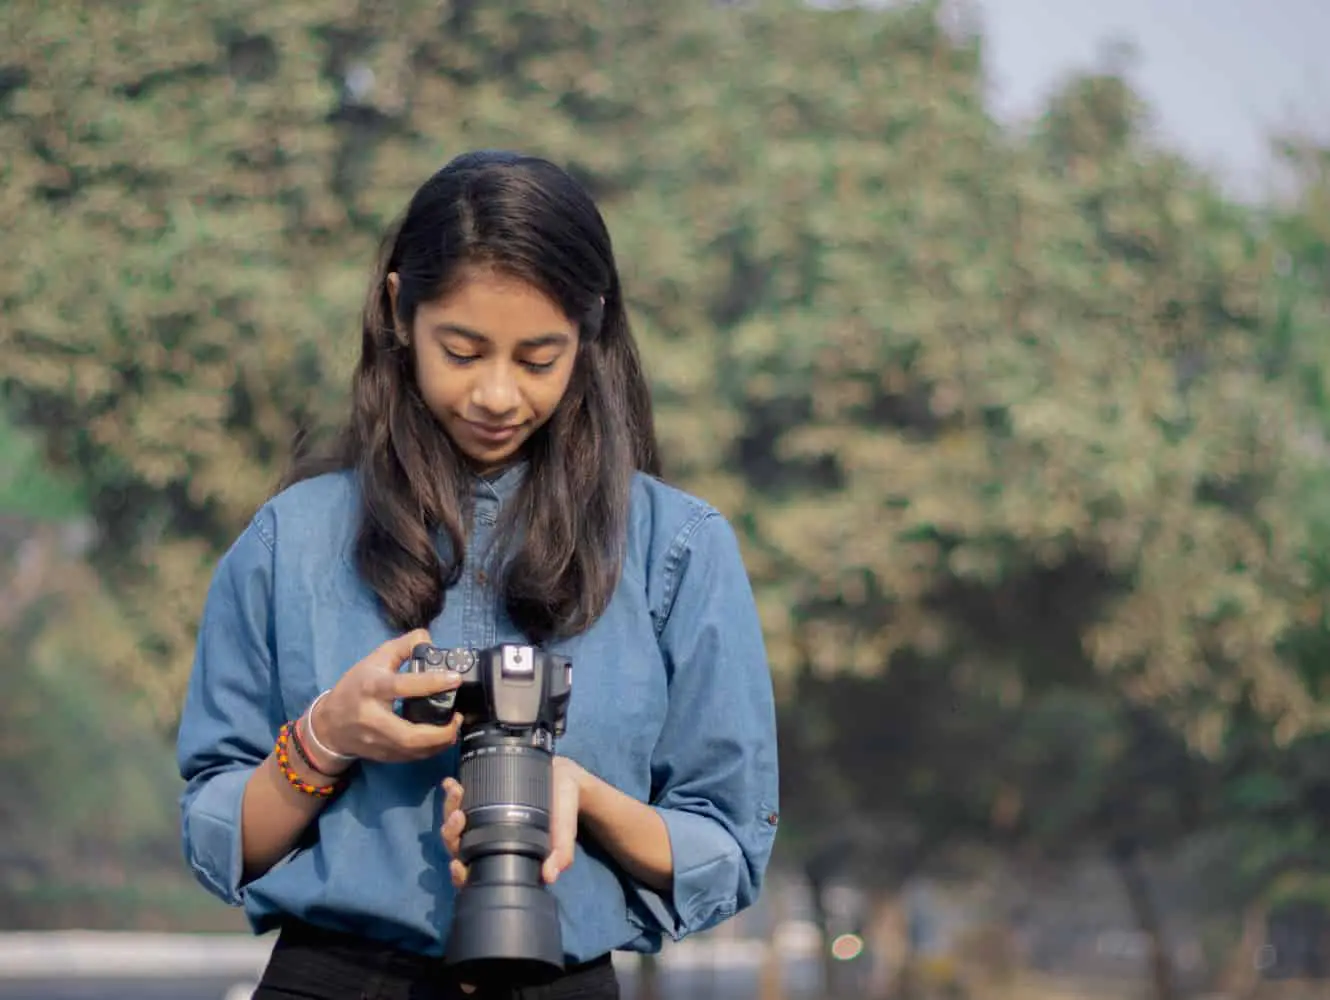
(227, 722)
(714, 768)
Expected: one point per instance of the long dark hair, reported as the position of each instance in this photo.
(529, 219)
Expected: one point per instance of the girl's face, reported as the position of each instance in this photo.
(493, 360)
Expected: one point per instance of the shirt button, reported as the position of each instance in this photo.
(481, 578)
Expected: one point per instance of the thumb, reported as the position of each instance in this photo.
(390, 656)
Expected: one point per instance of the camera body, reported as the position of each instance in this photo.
(520, 688)
(513, 700)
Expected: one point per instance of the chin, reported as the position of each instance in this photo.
(487, 460)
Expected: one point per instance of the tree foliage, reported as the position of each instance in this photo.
(199, 193)
(1033, 426)
(1003, 418)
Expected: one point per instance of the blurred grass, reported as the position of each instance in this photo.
(27, 487)
(99, 845)
(162, 903)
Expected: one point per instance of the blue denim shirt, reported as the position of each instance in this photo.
(672, 703)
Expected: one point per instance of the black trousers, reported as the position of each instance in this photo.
(310, 963)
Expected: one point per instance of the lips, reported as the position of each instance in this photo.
(493, 433)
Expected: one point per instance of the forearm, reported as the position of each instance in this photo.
(631, 831)
(273, 814)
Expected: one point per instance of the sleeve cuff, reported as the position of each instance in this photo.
(707, 868)
(211, 829)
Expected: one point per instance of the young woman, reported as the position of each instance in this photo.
(496, 482)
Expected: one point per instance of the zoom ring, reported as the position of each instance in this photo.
(506, 776)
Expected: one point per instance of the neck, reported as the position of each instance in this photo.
(492, 472)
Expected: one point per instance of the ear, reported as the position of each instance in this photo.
(593, 320)
(394, 286)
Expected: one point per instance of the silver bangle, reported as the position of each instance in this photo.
(314, 737)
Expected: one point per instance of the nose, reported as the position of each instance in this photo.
(495, 391)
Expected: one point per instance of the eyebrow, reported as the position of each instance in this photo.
(540, 340)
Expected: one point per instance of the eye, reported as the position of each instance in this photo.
(459, 359)
(539, 366)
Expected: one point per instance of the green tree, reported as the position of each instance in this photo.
(1027, 426)
(27, 487)
(996, 414)
(1112, 532)
(1276, 795)
(200, 193)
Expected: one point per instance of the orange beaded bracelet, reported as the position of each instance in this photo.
(283, 753)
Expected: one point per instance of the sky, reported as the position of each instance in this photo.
(1219, 75)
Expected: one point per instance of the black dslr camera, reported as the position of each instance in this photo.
(514, 704)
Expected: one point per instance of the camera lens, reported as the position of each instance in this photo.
(506, 924)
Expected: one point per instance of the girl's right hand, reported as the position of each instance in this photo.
(356, 718)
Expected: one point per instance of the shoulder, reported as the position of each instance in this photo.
(666, 516)
(677, 536)
(312, 513)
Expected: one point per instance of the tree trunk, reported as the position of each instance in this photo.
(771, 977)
(1241, 974)
(1136, 885)
(648, 979)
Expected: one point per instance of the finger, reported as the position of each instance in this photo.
(403, 685)
(452, 843)
(413, 740)
(452, 796)
(423, 738)
(557, 863)
(390, 656)
(550, 871)
(457, 871)
(453, 828)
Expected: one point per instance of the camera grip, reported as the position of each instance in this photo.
(431, 710)
(434, 709)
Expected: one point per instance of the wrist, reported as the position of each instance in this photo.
(572, 769)
(314, 728)
(304, 763)
(326, 766)
(589, 788)
(294, 764)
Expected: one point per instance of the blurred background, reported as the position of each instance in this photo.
(1000, 330)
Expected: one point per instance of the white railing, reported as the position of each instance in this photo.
(99, 955)
(119, 955)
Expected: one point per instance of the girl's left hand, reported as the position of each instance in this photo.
(565, 800)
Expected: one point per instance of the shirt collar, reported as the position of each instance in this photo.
(499, 486)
